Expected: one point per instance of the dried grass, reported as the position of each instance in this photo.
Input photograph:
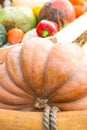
(82, 39)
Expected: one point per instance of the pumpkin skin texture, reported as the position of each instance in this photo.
(41, 69)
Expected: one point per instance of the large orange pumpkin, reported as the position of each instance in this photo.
(40, 73)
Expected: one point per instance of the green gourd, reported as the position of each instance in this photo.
(6, 44)
(3, 34)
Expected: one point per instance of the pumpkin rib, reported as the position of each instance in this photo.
(14, 107)
(59, 89)
(57, 72)
(72, 92)
(18, 80)
(80, 104)
(14, 69)
(80, 70)
(9, 98)
(9, 85)
(44, 74)
(29, 56)
(25, 78)
(21, 62)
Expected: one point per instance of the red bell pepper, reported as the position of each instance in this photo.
(46, 28)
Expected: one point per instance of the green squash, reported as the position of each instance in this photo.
(3, 34)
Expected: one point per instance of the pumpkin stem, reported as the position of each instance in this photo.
(41, 103)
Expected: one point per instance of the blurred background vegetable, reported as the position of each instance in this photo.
(28, 3)
(26, 15)
(46, 28)
(3, 34)
(59, 11)
(18, 17)
(77, 2)
(15, 35)
(80, 7)
(35, 5)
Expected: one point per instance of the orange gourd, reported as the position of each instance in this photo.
(15, 35)
(80, 7)
(40, 73)
(79, 10)
(77, 2)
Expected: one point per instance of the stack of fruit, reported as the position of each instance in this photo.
(48, 17)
